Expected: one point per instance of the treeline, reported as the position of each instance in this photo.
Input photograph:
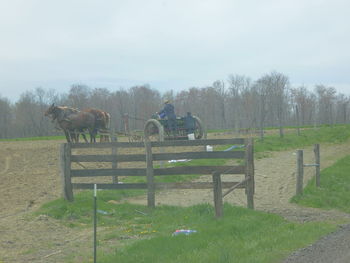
(238, 103)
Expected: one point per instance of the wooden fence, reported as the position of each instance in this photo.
(151, 155)
(301, 165)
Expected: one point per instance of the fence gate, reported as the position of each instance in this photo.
(147, 156)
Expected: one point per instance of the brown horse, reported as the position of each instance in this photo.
(72, 121)
(102, 123)
(64, 111)
(59, 113)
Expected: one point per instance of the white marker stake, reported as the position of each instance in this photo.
(95, 221)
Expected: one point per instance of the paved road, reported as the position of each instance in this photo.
(334, 248)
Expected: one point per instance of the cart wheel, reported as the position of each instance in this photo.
(199, 129)
(154, 131)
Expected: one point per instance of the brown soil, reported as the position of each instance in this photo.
(29, 178)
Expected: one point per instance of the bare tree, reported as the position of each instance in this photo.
(239, 98)
(78, 96)
(5, 118)
(238, 103)
(325, 96)
(221, 96)
(262, 92)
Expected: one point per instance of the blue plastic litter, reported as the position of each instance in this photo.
(184, 232)
(102, 212)
(233, 147)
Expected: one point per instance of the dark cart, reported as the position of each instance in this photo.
(157, 129)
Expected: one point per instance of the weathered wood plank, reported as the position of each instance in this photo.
(158, 172)
(108, 145)
(114, 159)
(233, 141)
(198, 155)
(193, 185)
(158, 156)
(300, 172)
(250, 185)
(159, 186)
(198, 142)
(150, 175)
(108, 172)
(217, 188)
(243, 183)
(200, 170)
(109, 158)
(118, 186)
(318, 162)
(65, 171)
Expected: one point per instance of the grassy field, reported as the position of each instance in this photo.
(334, 190)
(336, 134)
(241, 236)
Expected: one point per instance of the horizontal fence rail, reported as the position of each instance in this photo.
(238, 141)
(240, 169)
(158, 186)
(159, 156)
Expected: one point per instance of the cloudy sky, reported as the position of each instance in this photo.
(171, 44)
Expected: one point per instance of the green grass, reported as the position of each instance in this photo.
(79, 212)
(309, 136)
(334, 190)
(242, 235)
(336, 134)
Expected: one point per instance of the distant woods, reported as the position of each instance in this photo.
(239, 104)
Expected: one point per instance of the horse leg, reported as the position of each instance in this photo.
(84, 137)
(72, 136)
(67, 135)
(76, 136)
(92, 133)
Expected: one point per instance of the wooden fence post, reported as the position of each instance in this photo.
(300, 172)
(126, 124)
(150, 175)
(317, 162)
(114, 162)
(65, 165)
(249, 173)
(218, 202)
(298, 122)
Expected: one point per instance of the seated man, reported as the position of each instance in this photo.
(169, 112)
(190, 123)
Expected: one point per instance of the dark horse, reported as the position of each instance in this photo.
(102, 122)
(72, 121)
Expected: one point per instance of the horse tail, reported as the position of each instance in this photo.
(107, 124)
(108, 120)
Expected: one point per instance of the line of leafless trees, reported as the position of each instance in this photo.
(237, 103)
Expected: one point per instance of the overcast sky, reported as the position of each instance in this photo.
(170, 44)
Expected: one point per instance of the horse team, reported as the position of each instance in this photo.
(74, 122)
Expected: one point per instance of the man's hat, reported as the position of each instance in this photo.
(166, 101)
